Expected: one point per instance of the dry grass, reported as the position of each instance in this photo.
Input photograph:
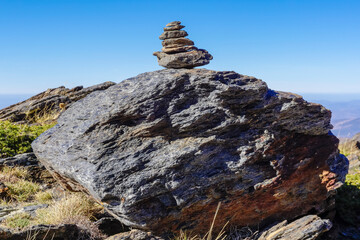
(34, 235)
(69, 207)
(13, 174)
(44, 116)
(22, 190)
(19, 188)
(44, 197)
(184, 235)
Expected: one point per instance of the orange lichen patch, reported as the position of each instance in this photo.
(62, 106)
(330, 180)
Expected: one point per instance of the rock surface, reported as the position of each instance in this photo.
(48, 102)
(43, 232)
(134, 235)
(162, 149)
(178, 51)
(306, 228)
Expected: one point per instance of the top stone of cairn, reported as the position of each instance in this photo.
(178, 51)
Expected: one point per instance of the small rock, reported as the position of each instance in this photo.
(177, 41)
(6, 212)
(174, 23)
(173, 34)
(134, 235)
(23, 160)
(306, 228)
(172, 28)
(178, 49)
(184, 59)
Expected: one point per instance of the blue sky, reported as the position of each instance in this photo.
(304, 46)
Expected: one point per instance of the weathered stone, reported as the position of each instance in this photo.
(306, 228)
(6, 212)
(177, 41)
(50, 101)
(43, 232)
(173, 34)
(162, 149)
(110, 226)
(174, 23)
(189, 59)
(172, 28)
(178, 49)
(134, 235)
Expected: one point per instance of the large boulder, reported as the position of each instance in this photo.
(162, 149)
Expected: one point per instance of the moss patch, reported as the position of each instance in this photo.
(17, 138)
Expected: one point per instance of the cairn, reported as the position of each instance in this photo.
(178, 51)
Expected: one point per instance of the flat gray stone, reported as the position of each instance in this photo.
(174, 23)
(189, 59)
(173, 34)
(306, 228)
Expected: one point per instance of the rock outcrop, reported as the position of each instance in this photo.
(162, 149)
(49, 102)
(178, 51)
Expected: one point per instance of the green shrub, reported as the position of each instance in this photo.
(23, 190)
(348, 200)
(17, 138)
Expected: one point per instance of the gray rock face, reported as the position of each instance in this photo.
(162, 149)
(306, 228)
(179, 52)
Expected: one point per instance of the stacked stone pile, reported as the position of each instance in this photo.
(178, 51)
